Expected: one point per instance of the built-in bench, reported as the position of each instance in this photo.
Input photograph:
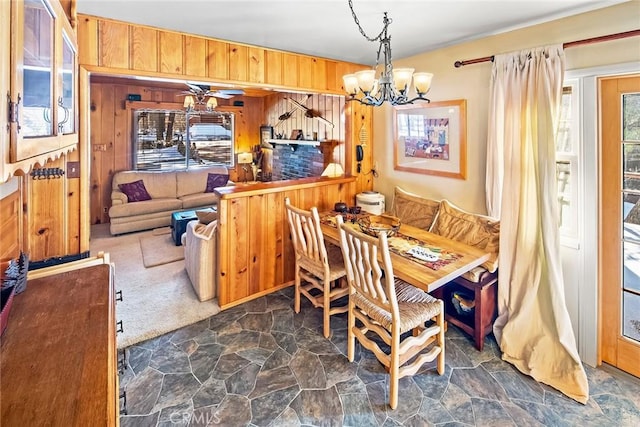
(479, 284)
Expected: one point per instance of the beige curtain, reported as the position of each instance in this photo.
(533, 327)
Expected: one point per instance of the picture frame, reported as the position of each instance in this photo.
(431, 139)
(296, 134)
(266, 133)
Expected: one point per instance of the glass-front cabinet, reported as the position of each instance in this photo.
(43, 101)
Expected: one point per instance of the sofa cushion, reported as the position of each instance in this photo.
(135, 191)
(215, 180)
(158, 184)
(198, 200)
(480, 231)
(145, 207)
(194, 180)
(414, 210)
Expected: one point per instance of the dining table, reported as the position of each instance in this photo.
(455, 258)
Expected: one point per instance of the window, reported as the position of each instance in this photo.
(567, 150)
(161, 141)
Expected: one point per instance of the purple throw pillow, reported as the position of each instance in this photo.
(216, 180)
(135, 191)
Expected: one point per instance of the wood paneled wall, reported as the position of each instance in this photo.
(135, 49)
(329, 107)
(111, 124)
(10, 216)
(53, 213)
(255, 254)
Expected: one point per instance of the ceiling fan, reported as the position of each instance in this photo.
(202, 92)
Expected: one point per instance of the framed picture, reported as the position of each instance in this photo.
(266, 133)
(296, 134)
(431, 138)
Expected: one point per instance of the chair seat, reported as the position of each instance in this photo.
(415, 307)
(336, 264)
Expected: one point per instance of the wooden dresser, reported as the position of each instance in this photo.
(58, 354)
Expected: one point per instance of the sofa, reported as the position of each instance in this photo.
(478, 285)
(141, 200)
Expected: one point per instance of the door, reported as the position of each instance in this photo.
(620, 223)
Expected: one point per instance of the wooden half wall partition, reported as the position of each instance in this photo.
(255, 254)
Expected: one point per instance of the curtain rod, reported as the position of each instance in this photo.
(599, 39)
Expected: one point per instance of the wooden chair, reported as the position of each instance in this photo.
(320, 266)
(388, 307)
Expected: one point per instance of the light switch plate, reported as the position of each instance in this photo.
(73, 169)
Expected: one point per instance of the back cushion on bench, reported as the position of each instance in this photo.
(414, 210)
(476, 230)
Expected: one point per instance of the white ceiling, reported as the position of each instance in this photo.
(325, 28)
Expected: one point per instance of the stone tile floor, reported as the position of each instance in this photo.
(259, 364)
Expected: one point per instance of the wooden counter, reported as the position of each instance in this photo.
(57, 357)
(255, 254)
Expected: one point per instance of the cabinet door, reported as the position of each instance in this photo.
(37, 72)
(43, 81)
(67, 111)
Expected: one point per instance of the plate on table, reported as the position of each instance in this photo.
(423, 254)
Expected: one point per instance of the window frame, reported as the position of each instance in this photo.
(569, 232)
(190, 162)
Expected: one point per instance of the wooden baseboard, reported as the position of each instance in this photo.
(254, 296)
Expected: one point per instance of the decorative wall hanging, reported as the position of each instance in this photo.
(431, 138)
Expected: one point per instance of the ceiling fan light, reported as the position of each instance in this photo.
(366, 79)
(212, 103)
(350, 83)
(422, 82)
(189, 102)
(402, 78)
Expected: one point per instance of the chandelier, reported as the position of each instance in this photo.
(393, 84)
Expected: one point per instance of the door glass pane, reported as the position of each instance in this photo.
(66, 117)
(631, 166)
(631, 284)
(630, 115)
(630, 292)
(631, 216)
(38, 68)
(631, 315)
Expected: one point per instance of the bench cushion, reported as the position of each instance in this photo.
(414, 210)
(480, 231)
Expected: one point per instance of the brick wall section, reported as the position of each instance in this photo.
(301, 162)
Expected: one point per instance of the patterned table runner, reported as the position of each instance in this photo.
(400, 243)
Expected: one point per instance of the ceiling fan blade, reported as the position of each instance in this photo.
(231, 91)
(195, 88)
(221, 95)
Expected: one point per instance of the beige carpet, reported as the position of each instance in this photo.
(157, 300)
(159, 248)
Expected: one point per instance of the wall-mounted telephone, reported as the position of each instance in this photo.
(359, 156)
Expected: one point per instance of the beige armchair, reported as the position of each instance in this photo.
(199, 241)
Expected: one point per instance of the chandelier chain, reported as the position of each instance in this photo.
(392, 85)
(357, 21)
